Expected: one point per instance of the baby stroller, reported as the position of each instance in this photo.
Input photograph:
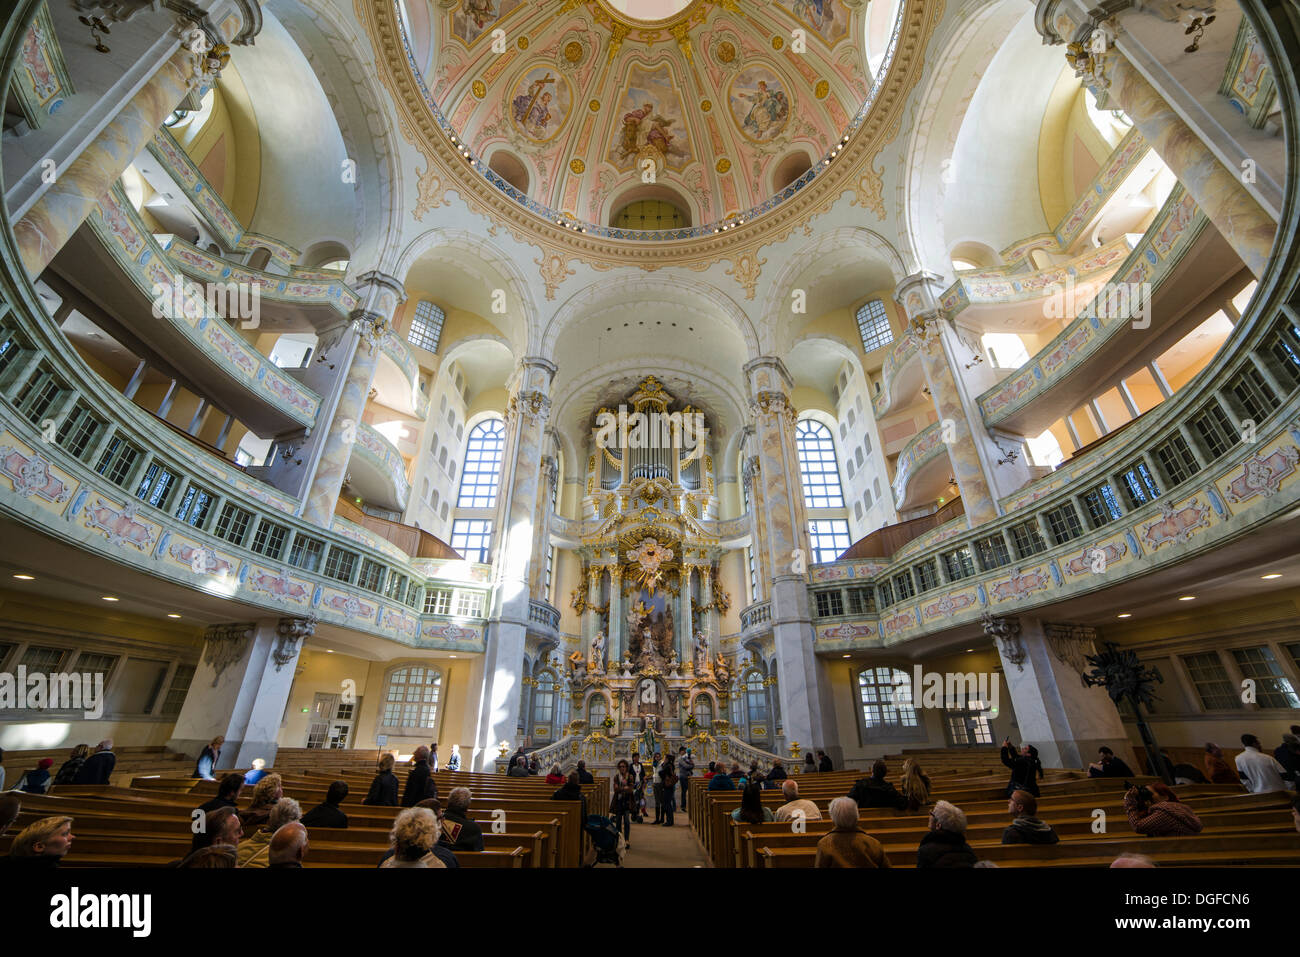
(606, 840)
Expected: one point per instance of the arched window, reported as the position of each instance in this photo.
(885, 695)
(821, 474)
(873, 325)
(411, 697)
(544, 699)
(597, 710)
(703, 710)
(482, 472)
(755, 699)
(426, 326)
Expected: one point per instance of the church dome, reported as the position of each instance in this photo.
(649, 119)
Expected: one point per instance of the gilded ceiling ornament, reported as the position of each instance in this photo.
(726, 51)
(778, 43)
(616, 37)
(822, 89)
(554, 270)
(870, 192)
(522, 43)
(746, 271)
(681, 33)
(724, 165)
(573, 51)
(479, 89)
(578, 166)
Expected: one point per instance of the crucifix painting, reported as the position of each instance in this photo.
(650, 628)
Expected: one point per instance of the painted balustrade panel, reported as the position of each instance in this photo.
(845, 571)
(291, 290)
(396, 349)
(373, 447)
(925, 446)
(283, 256)
(178, 165)
(1151, 261)
(904, 351)
(363, 536)
(118, 227)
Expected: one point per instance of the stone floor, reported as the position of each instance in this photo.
(655, 846)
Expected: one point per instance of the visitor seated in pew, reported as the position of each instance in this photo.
(1216, 768)
(824, 763)
(256, 772)
(458, 832)
(1026, 769)
(68, 770)
(809, 765)
(793, 803)
(37, 780)
(752, 809)
(1108, 766)
(875, 791)
(1156, 810)
(383, 789)
(216, 857)
(99, 766)
(916, 785)
(221, 828)
(254, 849)
(584, 776)
(847, 845)
(721, 780)
(1288, 753)
(571, 790)
(10, 808)
(1025, 828)
(775, 776)
(945, 845)
(420, 783)
(415, 831)
(1260, 772)
(519, 769)
(555, 776)
(266, 793)
(738, 775)
(227, 793)
(289, 846)
(453, 762)
(40, 846)
(328, 813)
(206, 765)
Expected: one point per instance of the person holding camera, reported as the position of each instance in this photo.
(1026, 769)
(1155, 810)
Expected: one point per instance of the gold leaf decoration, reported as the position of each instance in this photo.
(724, 164)
(578, 166)
(479, 89)
(822, 89)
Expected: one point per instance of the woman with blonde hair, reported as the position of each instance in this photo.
(414, 833)
(68, 770)
(916, 785)
(383, 789)
(266, 793)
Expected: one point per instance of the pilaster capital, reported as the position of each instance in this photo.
(1006, 632)
(225, 645)
(767, 374)
(291, 633)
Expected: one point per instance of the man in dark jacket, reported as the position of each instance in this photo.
(875, 791)
(458, 832)
(1108, 766)
(1025, 767)
(383, 789)
(329, 814)
(227, 793)
(1026, 828)
(419, 782)
(824, 763)
(1288, 753)
(519, 769)
(945, 845)
(721, 782)
(584, 776)
(99, 766)
(571, 790)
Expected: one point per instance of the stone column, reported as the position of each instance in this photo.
(964, 433)
(240, 689)
(1056, 713)
(521, 485)
(1219, 193)
(542, 529)
(616, 640)
(706, 605)
(52, 219)
(382, 294)
(590, 617)
(805, 696)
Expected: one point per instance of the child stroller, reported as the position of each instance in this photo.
(605, 839)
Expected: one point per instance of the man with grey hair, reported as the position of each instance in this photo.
(458, 832)
(847, 845)
(255, 851)
(289, 846)
(794, 804)
(99, 766)
(945, 845)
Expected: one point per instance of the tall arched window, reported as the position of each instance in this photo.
(597, 710)
(426, 326)
(703, 711)
(885, 695)
(411, 697)
(755, 700)
(482, 473)
(817, 463)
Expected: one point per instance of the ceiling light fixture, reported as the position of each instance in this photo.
(26, 578)
(1270, 576)
(1188, 598)
(110, 598)
(173, 616)
(1125, 615)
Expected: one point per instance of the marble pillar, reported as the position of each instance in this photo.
(63, 207)
(240, 689)
(382, 294)
(616, 639)
(806, 701)
(1042, 670)
(513, 531)
(1218, 191)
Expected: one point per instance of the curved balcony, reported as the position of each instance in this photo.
(543, 617)
(115, 263)
(757, 617)
(1177, 270)
(378, 471)
(922, 468)
(176, 163)
(397, 378)
(900, 378)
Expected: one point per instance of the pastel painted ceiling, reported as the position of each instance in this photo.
(722, 102)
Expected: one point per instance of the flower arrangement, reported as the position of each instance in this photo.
(691, 722)
(607, 723)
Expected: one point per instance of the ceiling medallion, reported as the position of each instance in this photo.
(822, 89)
(724, 165)
(778, 43)
(578, 166)
(479, 89)
(522, 43)
(573, 51)
(726, 51)
(594, 106)
(706, 106)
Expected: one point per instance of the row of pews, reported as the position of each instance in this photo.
(146, 822)
(1240, 828)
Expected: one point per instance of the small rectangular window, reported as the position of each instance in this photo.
(873, 325)
(1255, 396)
(957, 564)
(11, 347)
(340, 564)
(903, 586)
(269, 540)
(372, 575)
(469, 604)
(117, 460)
(926, 575)
(305, 553)
(1063, 523)
(78, 431)
(1027, 539)
(38, 393)
(1176, 460)
(1138, 485)
(232, 523)
(1272, 687)
(861, 600)
(156, 486)
(1100, 505)
(992, 552)
(885, 593)
(426, 326)
(1215, 430)
(396, 587)
(195, 505)
(437, 601)
(829, 604)
(1285, 348)
(1216, 691)
(178, 689)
